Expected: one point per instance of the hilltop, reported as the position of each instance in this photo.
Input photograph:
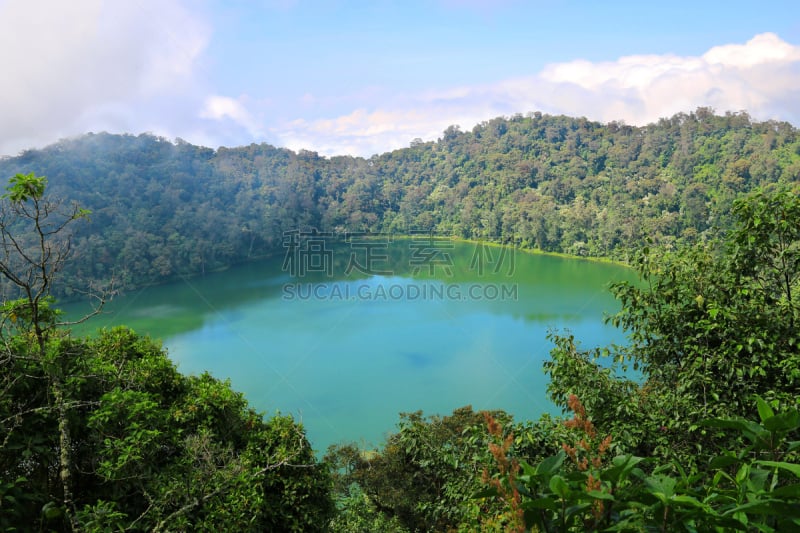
(162, 209)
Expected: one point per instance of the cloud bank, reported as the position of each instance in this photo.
(93, 65)
(88, 65)
(761, 76)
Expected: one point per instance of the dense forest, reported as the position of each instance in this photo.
(708, 439)
(162, 209)
(103, 434)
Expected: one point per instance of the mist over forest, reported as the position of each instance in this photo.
(163, 209)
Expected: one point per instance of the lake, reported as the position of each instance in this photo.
(346, 334)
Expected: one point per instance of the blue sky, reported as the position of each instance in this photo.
(366, 77)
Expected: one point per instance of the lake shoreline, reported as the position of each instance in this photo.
(326, 360)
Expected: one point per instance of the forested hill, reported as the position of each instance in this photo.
(162, 209)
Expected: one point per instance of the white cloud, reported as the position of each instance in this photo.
(764, 48)
(93, 65)
(71, 67)
(360, 132)
(731, 77)
(761, 76)
(223, 107)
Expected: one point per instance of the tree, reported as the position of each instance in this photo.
(34, 246)
(151, 449)
(105, 434)
(589, 188)
(422, 480)
(766, 246)
(586, 488)
(710, 328)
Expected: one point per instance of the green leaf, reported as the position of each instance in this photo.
(550, 464)
(600, 495)
(621, 467)
(527, 468)
(788, 491)
(723, 461)
(559, 487)
(23, 187)
(786, 421)
(689, 501)
(742, 474)
(662, 487)
(541, 503)
(573, 510)
(765, 507)
(791, 467)
(764, 410)
(754, 432)
(51, 510)
(489, 492)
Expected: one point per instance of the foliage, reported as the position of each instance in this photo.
(105, 434)
(357, 514)
(579, 489)
(712, 332)
(710, 327)
(150, 448)
(422, 478)
(35, 242)
(34, 246)
(24, 187)
(163, 210)
(662, 439)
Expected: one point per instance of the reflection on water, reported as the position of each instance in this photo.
(346, 353)
(158, 311)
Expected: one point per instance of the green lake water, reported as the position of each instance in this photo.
(346, 335)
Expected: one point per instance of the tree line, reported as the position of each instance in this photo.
(162, 209)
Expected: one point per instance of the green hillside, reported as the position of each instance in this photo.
(162, 209)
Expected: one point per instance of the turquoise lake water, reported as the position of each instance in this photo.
(344, 336)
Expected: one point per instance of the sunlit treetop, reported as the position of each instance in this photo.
(23, 187)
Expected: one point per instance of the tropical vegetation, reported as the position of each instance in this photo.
(163, 210)
(692, 425)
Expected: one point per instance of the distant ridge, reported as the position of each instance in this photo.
(163, 209)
